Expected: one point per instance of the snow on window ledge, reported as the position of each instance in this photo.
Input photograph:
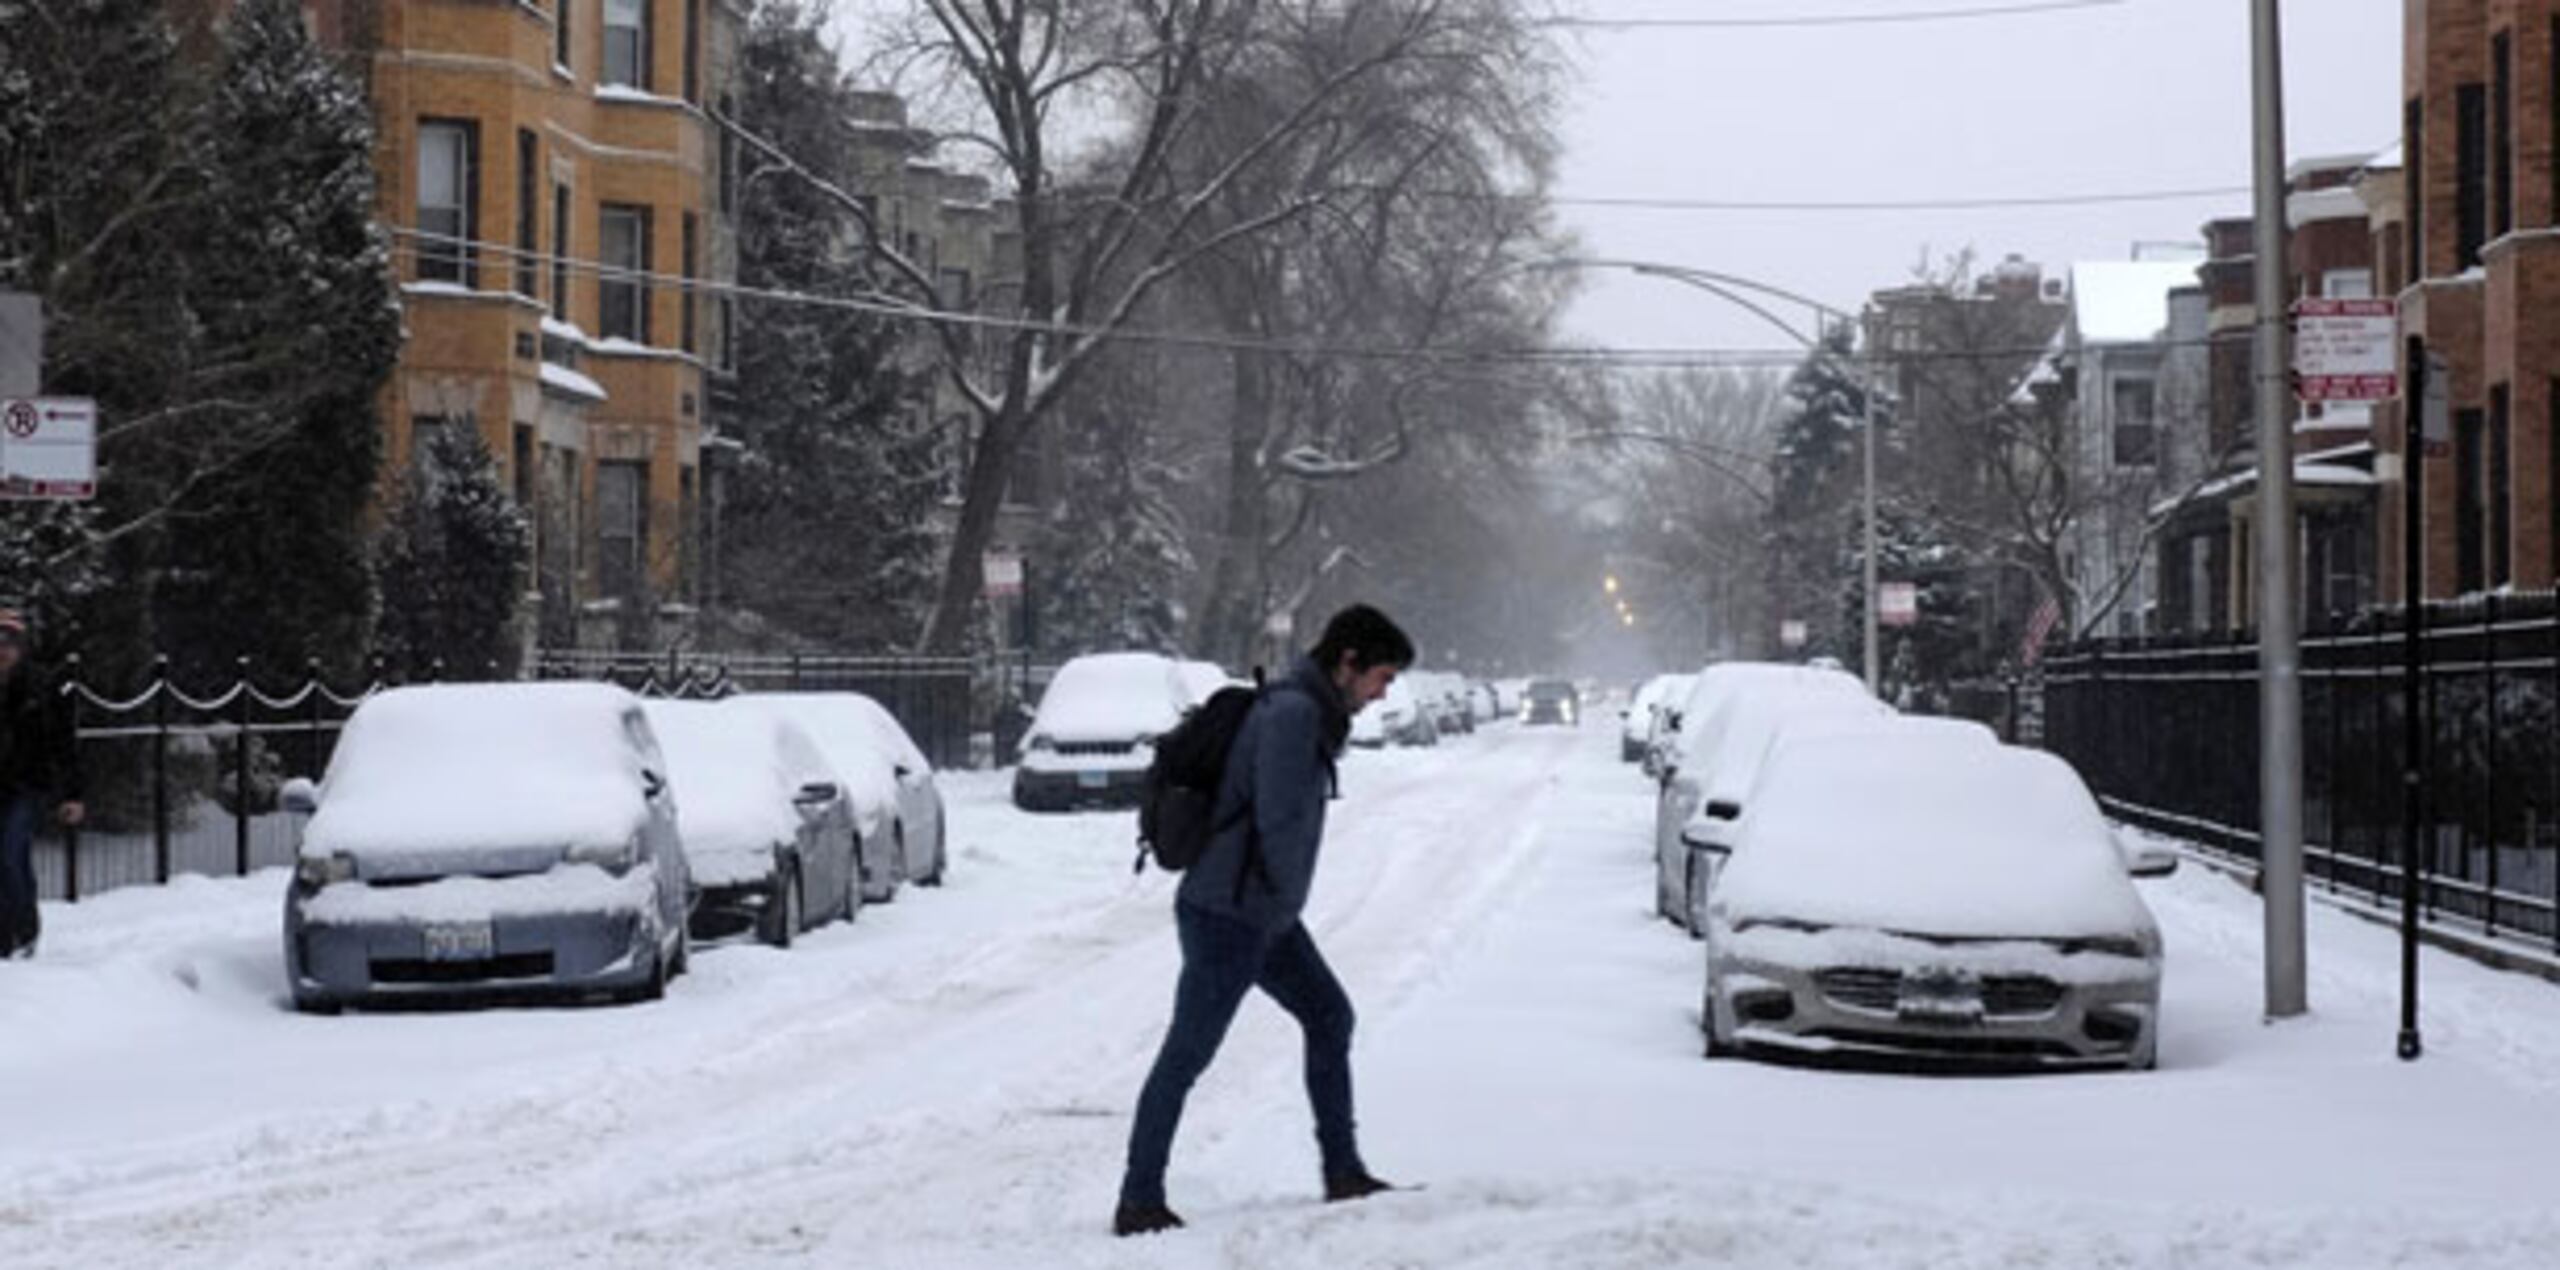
(561, 70)
(457, 291)
(628, 95)
(567, 382)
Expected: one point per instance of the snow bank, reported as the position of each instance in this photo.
(1903, 832)
(1112, 697)
(472, 766)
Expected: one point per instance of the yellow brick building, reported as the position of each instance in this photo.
(551, 172)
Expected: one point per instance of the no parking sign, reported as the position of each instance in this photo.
(48, 448)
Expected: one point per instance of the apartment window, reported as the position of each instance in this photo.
(2136, 434)
(2414, 151)
(622, 306)
(560, 32)
(448, 199)
(689, 530)
(2470, 528)
(728, 334)
(2347, 284)
(2470, 174)
(2502, 137)
(692, 226)
(955, 288)
(626, 43)
(693, 51)
(528, 214)
(622, 528)
(728, 158)
(2501, 501)
(560, 206)
(426, 432)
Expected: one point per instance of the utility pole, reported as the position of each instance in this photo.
(2279, 549)
(1867, 495)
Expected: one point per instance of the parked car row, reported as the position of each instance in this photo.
(565, 840)
(1874, 884)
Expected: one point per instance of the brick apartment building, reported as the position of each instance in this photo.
(2480, 236)
(551, 174)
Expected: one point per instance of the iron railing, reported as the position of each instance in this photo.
(934, 698)
(2167, 733)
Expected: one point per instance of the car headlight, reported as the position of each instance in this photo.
(2126, 946)
(1779, 923)
(312, 872)
(616, 860)
(1039, 743)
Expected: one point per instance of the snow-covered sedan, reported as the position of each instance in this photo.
(1096, 729)
(1636, 722)
(1401, 717)
(899, 827)
(1707, 714)
(1896, 897)
(487, 839)
(767, 831)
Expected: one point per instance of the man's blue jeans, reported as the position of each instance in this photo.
(1222, 960)
(19, 814)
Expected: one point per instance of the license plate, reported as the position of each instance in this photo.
(1093, 780)
(461, 941)
(1941, 996)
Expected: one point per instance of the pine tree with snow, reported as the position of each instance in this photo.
(451, 563)
(1112, 556)
(826, 518)
(1815, 496)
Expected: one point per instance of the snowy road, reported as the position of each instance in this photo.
(946, 1082)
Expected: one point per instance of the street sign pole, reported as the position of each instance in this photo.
(2279, 636)
(2425, 389)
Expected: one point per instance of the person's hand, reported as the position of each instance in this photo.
(72, 813)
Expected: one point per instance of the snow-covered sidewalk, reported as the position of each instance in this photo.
(946, 1082)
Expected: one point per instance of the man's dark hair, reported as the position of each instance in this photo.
(1370, 638)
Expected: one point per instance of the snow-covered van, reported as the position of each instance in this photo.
(507, 839)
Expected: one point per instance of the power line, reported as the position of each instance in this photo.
(415, 244)
(1986, 203)
(1965, 13)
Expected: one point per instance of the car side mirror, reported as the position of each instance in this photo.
(651, 783)
(299, 796)
(1723, 809)
(819, 793)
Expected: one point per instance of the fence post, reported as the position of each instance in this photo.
(2489, 756)
(160, 766)
(318, 693)
(71, 833)
(240, 777)
(795, 671)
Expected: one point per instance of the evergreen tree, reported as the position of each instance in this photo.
(1113, 552)
(1814, 501)
(451, 562)
(826, 520)
(295, 270)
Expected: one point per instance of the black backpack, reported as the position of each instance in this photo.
(1178, 803)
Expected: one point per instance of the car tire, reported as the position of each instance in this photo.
(683, 957)
(318, 1008)
(783, 910)
(1693, 901)
(1716, 1045)
(941, 856)
(2147, 1059)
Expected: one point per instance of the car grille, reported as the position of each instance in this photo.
(2020, 994)
(1860, 988)
(510, 966)
(1096, 748)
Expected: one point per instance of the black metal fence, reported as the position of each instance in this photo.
(183, 781)
(2167, 732)
(934, 698)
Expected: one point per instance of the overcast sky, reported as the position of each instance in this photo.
(2147, 95)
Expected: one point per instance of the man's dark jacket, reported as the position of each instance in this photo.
(1279, 778)
(37, 753)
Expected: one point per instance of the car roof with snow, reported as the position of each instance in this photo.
(1900, 831)
(467, 766)
(1203, 679)
(1752, 697)
(1112, 697)
(735, 772)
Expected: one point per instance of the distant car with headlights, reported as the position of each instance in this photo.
(899, 827)
(1554, 701)
(768, 832)
(490, 841)
(1900, 899)
(1095, 732)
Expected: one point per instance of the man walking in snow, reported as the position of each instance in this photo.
(1237, 911)
(39, 773)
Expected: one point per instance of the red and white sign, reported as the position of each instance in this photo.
(1897, 604)
(48, 448)
(1004, 574)
(2346, 350)
(1792, 633)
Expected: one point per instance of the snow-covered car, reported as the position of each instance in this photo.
(487, 839)
(1551, 701)
(768, 833)
(1658, 728)
(1635, 729)
(1399, 718)
(1446, 694)
(1484, 703)
(1897, 897)
(1704, 717)
(1759, 729)
(899, 828)
(1202, 680)
(1096, 729)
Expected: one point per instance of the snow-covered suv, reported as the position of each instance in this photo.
(1096, 730)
